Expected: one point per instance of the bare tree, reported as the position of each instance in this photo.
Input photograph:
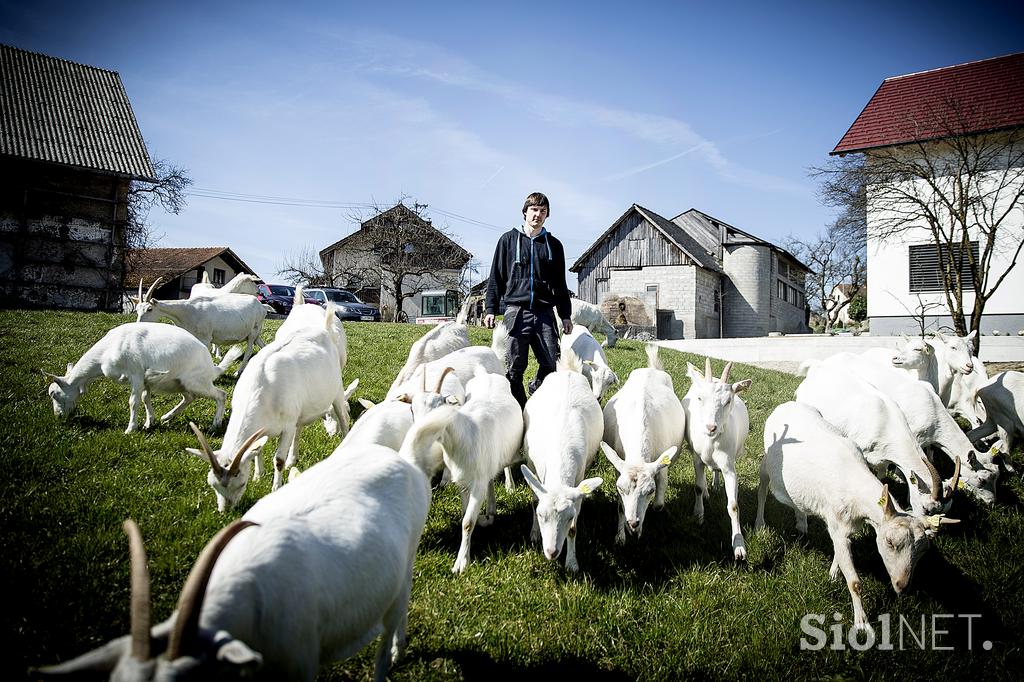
(965, 190)
(168, 191)
(834, 257)
(395, 250)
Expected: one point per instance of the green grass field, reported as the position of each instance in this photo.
(668, 605)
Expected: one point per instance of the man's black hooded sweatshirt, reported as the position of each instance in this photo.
(529, 273)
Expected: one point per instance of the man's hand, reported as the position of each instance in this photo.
(567, 326)
(489, 321)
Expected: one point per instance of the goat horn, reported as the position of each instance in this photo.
(956, 478)
(190, 603)
(424, 379)
(214, 464)
(725, 372)
(237, 461)
(936, 480)
(707, 370)
(140, 610)
(152, 287)
(440, 381)
(140, 289)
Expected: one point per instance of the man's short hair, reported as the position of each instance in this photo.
(536, 199)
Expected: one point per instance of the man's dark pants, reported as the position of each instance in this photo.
(530, 329)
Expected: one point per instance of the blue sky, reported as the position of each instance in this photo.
(468, 107)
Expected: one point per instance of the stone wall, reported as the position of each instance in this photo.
(746, 293)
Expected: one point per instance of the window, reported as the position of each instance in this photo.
(781, 290)
(218, 277)
(927, 262)
(653, 289)
(783, 268)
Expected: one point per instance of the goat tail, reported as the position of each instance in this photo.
(653, 361)
(463, 315)
(569, 361)
(419, 442)
(806, 366)
(500, 341)
(233, 354)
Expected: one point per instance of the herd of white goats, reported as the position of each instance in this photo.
(320, 567)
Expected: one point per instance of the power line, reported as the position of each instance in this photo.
(224, 195)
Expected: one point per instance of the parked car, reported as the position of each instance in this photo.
(280, 297)
(347, 305)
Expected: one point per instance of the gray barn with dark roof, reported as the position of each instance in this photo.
(69, 150)
(702, 277)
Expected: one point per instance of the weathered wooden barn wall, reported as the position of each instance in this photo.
(60, 234)
(635, 243)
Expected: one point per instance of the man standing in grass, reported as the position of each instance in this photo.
(528, 274)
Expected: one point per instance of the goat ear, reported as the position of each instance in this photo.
(198, 454)
(741, 386)
(696, 376)
(888, 510)
(366, 403)
(971, 335)
(590, 485)
(102, 659)
(351, 389)
(612, 457)
(255, 448)
(532, 480)
(452, 400)
(240, 656)
(404, 398)
(666, 458)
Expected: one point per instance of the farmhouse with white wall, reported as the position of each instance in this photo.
(181, 268)
(703, 277)
(903, 271)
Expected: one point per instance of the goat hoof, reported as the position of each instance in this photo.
(740, 553)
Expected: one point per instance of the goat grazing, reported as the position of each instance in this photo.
(242, 283)
(1003, 397)
(290, 383)
(563, 427)
(311, 574)
(590, 316)
(877, 426)
(595, 364)
(717, 425)
(812, 469)
(929, 422)
(151, 358)
(218, 319)
(644, 425)
(383, 424)
(481, 440)
(435, 344)
(463, 361)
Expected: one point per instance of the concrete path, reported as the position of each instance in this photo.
(785, 353)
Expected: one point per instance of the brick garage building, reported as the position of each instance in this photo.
(699, 276)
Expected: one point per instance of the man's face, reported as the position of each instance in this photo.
(535, 217)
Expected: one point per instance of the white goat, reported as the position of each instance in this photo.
(929, 421)
(595, 364)
(481, 440)
(963, 398)
(310, 575)
(290, 384)
(151, 358)
(563, 425)
(383, 424)
(242, 283)
(644, 425)
(813, 469)
(1003, 397)
(463, 361)
(876, 425)
(717, 424)
(590, 316)
(435, 344)
(220, 319)
(937, 360)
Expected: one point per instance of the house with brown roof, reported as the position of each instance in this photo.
(69, 150)
(698, 276)
(181, 268)
(929, 127)
(397, 240)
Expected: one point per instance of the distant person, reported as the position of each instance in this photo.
(528, 275)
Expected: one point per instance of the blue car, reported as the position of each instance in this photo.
(347, 305)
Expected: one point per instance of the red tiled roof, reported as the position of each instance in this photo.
(988, 95)
(171, 263)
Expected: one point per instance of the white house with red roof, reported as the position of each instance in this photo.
(929, 119)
